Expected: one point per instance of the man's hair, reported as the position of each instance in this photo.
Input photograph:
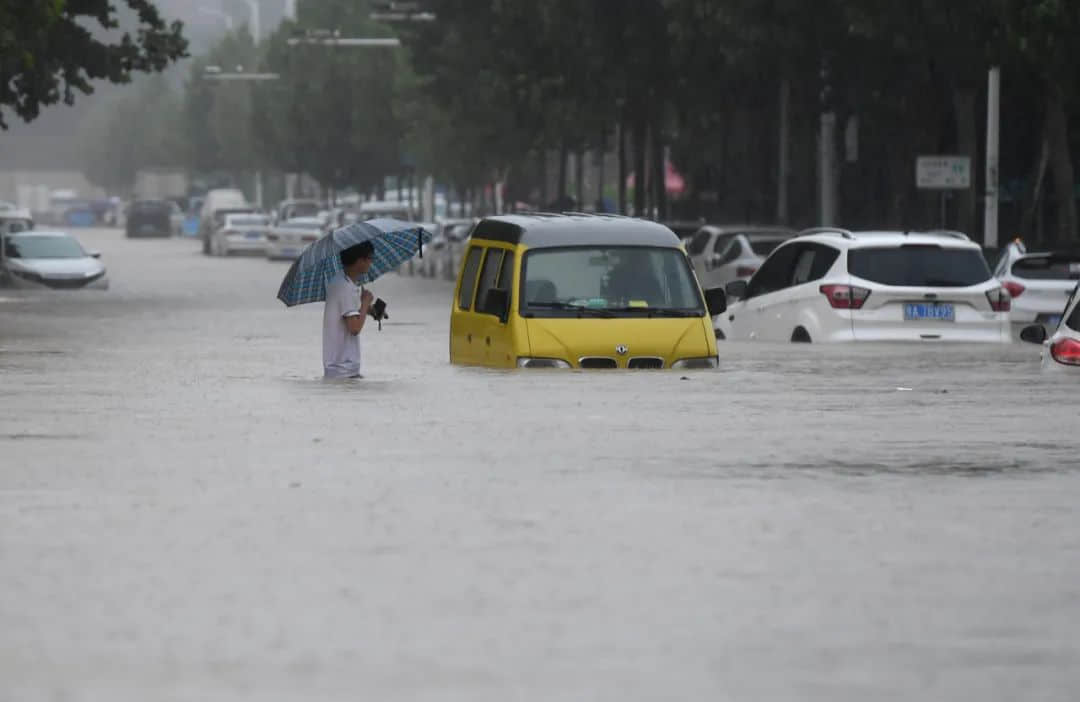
(354, 253)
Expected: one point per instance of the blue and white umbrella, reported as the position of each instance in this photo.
(395, 243)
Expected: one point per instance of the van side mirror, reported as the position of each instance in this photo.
(1035, 334)
(736, 289)
(497, 304)
(716, 301)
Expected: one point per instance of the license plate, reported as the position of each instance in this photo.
(254, 235)
(934, 311)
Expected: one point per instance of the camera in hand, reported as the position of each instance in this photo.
(377, 311)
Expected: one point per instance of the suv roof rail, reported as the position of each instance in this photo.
(827, 230)
(947, 232)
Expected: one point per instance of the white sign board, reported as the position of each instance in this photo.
(943, 172)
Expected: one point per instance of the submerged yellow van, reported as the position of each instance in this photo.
(580, 291)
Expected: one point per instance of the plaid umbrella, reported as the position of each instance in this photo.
(395, 243)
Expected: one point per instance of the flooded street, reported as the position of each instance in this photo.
(188, 512)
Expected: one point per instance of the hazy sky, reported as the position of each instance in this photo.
(51, 141)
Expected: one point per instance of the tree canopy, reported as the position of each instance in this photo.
(51, 49)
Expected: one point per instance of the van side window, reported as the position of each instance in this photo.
(506, 275)
(489, 274)
(468, 278)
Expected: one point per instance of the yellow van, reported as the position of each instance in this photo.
(580, 291)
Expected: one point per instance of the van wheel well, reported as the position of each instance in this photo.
(800, 336)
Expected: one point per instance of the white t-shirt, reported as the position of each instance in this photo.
(341, 350)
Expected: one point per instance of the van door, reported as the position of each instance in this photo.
(463, 348)
(498, 340)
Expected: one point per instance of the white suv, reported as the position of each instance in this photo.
(832, 285)
(1040, 285)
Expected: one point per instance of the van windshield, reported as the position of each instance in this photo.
(622, 281)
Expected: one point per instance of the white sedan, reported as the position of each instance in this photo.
(287, 240)
(244, 233)
(48, 259)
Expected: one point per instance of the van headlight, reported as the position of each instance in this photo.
(696, 363)
(542, 363)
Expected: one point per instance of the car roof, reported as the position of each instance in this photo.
(543, 230)
(882, 238)
(749, 229)
(42, 233)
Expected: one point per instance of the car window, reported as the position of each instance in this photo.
(468, 278)
(1056, 267)
(698, 243)
(917, 265)
(489, 275)
(775, 273)
(722, 243)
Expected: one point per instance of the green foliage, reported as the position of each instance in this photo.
(47, 53)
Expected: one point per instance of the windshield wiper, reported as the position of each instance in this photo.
(658, 311)
(582, 310)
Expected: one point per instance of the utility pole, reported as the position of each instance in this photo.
(827, 152)
(993, 147)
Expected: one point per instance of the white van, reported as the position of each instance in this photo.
(217, 202)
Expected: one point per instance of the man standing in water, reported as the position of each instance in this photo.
(345, 313)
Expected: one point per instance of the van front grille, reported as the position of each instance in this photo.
(593, 362)
(646, 363)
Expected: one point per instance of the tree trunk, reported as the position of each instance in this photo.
(659, 166)
(622, 166)
(1057, 135)
(639, 167)
(564, 156)
(967, 143)
(579, 179)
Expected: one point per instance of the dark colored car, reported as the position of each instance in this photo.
(150, 218)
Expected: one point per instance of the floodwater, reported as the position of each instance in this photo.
(188, 513)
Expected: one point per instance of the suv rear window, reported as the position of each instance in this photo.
(919, 266)
(1056, 267)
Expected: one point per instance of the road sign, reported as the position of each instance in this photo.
(943, 172)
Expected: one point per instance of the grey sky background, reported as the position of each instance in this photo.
(52, 141)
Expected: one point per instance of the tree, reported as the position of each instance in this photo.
(47, 53)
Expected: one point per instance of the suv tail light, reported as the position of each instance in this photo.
(1000, 299)
(745, 271)
(1066, 351)
(845, 297)
(1015, 289)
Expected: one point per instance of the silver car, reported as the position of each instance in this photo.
(49, 259)
(721, 255)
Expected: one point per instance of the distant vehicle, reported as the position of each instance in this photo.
(291, 209)
(832, 285)
(384, 209)
(580, 291)
(50, 259)
(15, 220)
(287, 240)
(723, 254)
(1062, 346)
(1039, 284)
(240, 232)
(216, 204)
(153, 218)
(685, 229)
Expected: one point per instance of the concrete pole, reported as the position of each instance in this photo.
(253, 10)
(993, 155)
